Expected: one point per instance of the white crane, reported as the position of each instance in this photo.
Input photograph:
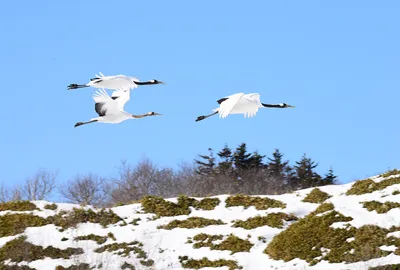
(114, 82)
(240, 103)
(111, 109)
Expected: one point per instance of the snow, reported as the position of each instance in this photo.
(165, 246)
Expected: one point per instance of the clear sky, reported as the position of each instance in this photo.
(336, 61)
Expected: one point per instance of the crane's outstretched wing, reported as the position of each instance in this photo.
(104, 104)
(226, 106)
(251, 103)
(121, 96)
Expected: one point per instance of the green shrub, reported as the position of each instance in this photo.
(82, 266)
(205, 262)
(368, 186)
(19, 250)
(15, 267)
(164, 208)
(316, 196)
(18, 206)
(258, 202)
(274, 220)
(97, 238)
(325, 207)
(135, 247)
(12, 224)
(379, 207)
(192, 222)
(232, 243)
(52, 206)
(76, 216)
(390, 173)
(135, 221)
(127, 266)
(396, 192)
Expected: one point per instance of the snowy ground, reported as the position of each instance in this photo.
(165, 246)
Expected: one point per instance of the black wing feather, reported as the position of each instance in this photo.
(100, 109)
(221, 100)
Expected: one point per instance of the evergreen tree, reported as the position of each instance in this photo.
(329, 179)
(226, 163)
(241, 159)
(276, 166)
(256, 161)
(306, 177)
(207, 166)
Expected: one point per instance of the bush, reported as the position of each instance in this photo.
(232, 243)
(274, 220)
(15, 267)
(18, 206)
(192, 222)
(316, 196)
(51, 206)
(164, 208)
(19, 250)
(97, 238)
(379, 207)
(82, 266)
(258, 202)
(390, 173)
(386, 267)
(368, 186)
(205, 262)
(12, 224)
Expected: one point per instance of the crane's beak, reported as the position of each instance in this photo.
(161, 82)
(290, 106)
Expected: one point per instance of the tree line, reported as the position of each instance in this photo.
(227, 171)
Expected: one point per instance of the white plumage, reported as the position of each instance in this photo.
(240, 103)
(111, 109)
(114, 82)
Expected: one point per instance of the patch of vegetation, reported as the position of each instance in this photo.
(192, 222)
(19, 250)
(368, 185)
(258, 202)
(97, 238)
(396, 192)
(262, 239)
(316, 196)
(325, 207)
(127, 266)
(12, 224)
(15, 267)
(147, 262)
(379, 207)
(386, 267)
(164, 208)
(135, 221)
(390, 173)
(124, 249)
(208, 203)
(205, 262)
(313, 239)
(52, 206)
(76, 216)
(18, 206)
(111, 235)
(64, 239)
(232, 243)
(274, 220)
(82, 266)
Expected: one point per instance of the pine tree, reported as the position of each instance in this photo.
(226, 163)
(329, 179)
(256, 161)
(207, 166)
(276, 166)
(306, 177)
(241, 159)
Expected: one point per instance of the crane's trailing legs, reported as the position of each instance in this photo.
(76, 86)
(202, 117)
(84, 123)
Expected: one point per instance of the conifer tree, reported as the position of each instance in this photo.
(305, 174)
(329, 178)
(226, 163)
(207, 166)
(241, 159)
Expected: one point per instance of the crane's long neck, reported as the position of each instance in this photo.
(147, 82)
(84, 123)
(76, 86)
(273, 105)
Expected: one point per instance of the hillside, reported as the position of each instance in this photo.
(351, 226)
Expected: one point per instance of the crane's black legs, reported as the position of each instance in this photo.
(84, 123)
(76, 86)
(202, 117)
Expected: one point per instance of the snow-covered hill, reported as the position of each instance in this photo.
(351, 226)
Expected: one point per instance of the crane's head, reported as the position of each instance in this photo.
(152, 114)
(148, 82)
(157, 82)
(284, 105)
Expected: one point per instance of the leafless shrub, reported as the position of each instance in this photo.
(40, 185)
(85, 189)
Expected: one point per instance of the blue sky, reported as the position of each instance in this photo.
(336, 61)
